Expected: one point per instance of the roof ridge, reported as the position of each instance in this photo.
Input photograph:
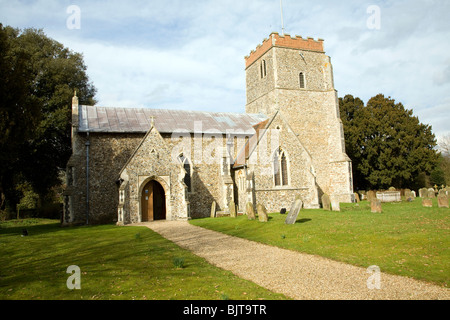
(183, 110)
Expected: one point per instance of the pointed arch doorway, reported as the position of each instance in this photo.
(153, 202)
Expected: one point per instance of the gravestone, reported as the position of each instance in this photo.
(423, 192)
(363, 194)
(326, 203)
(389, 196)
(443, 192)
(293, 213)
(431, 193)
(262, 213)
(249, 211)
(442, 201)
(408, 195)
(413, 194)
(375, 206)
(371, 195)
(232, 208)
(213, 209)
(357, 197)
(335, 205)
(427, 202)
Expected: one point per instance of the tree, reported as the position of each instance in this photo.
(19, 114)
(387, 144)
(54, 72)
(350, 108)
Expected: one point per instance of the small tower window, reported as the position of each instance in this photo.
(263, 69)
(302, 80)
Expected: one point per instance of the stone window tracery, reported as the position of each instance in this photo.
(280, 168)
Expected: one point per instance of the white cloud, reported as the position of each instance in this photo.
(190, 54)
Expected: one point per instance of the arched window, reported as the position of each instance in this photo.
(280, 168)
(187, 167)
(241, 181)
(302, 80)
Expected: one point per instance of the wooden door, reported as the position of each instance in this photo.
(147, 202)
(153, 202)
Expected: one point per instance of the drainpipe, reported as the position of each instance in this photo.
(87, 144)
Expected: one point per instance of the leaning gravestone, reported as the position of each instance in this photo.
(213, 209)
(293, 213)
(326, 203)
(250, 212)
(442, 201)
(375, 206)
(262, 213)
(426, 202)
(232, 208)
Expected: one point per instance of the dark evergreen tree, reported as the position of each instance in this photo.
(387, 143)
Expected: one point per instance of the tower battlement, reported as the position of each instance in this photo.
(285, 41)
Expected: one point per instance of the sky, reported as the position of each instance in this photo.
(189, 54)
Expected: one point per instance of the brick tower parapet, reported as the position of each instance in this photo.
(285, 41)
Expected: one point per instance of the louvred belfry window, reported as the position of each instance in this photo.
(302, 80)
(263, 68)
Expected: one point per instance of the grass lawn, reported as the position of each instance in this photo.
(115, 263)
(405, 239)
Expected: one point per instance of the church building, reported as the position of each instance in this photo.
(132, 165)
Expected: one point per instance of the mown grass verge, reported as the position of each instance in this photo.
(115, 263)
(405, 239)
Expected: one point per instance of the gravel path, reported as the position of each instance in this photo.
(296, 275)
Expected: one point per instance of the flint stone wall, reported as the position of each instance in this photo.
(108, 153)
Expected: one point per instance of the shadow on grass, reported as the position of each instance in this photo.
(303, 220)
(97, 250)
(32, 229)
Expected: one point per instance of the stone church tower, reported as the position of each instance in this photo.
(294, 76)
